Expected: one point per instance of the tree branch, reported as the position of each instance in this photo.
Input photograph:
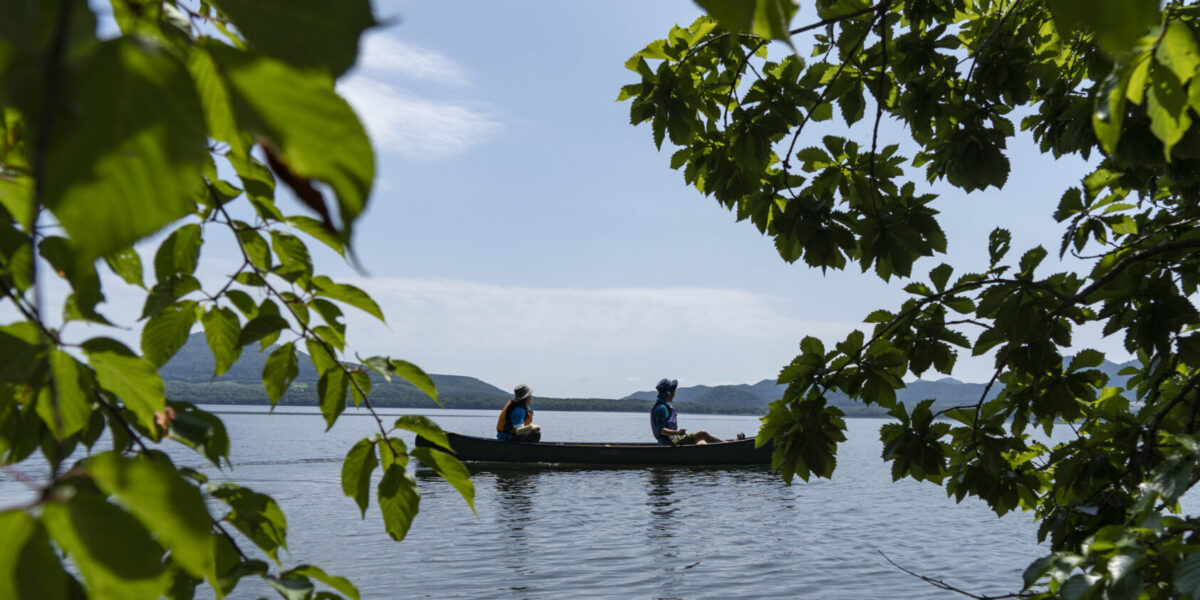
(942, 585)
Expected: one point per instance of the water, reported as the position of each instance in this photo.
(620, 533)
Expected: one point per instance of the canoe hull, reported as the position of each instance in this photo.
(476, 449)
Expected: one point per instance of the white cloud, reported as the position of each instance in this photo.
(583, 342)
(383, 54)
(416, 127)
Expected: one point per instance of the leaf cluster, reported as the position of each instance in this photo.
(1102, 467)
(180, 126)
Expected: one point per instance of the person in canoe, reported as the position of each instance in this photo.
(516, 420)
(663, 420)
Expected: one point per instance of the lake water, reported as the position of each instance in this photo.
(619, 533)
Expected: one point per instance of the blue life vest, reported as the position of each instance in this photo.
(670, 424)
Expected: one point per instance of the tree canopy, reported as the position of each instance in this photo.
(738, 95)
(179, 124)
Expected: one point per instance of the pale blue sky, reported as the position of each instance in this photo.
(521, 231)
(532, 235)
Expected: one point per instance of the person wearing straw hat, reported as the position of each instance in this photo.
(663, 419)
(516, 420)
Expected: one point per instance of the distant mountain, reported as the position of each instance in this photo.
(193, 365)
(947, 392)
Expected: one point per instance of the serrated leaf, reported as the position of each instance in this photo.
(126, 264)
(280, 369)
(222, 330)
(166, 332)
(424, 427)
(257, 516)
(331, 391)
(414, 375)
(293, 255)
(318, 231)
(349, 294)
(130, 378)
(356, 473)
(399, 501)
(179, 253)
(265, 324)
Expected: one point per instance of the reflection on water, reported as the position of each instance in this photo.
(549, 533)
(515, 494)
(661, 529)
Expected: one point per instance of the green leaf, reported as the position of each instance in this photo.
(121, 169)
(399, 501)
(112, 550)
(1109, 115)
(1167, 105)
(127, 265)
(20, 352)
(257, 516)
(332, 389)
(259, 327)
(318, 231)
(255, 246)
(293, 255)
(222, 331)
(1117, 23)
(164, 293)
(179, 253)
(1177, 51)
(214, 97)
(244, 303)
(1187, 576)
(340, 584)
(128, 377)
(201, 430)
(280, 370)
(349, 294)
(940, 275)
(414, 375)
(16, 196)
(292, 588)
(356, 473)
(450, 469)
(166, 332)
(424, 427)
(321, 359)
(312, 130)
(165, 502)
(318, 34)
(73, 390)
(392, 452)
(768, 19)
(29, 569)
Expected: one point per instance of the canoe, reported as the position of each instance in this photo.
(476, 449)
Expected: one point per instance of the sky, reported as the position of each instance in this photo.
(522, 231)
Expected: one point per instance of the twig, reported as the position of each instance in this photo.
(941, 584)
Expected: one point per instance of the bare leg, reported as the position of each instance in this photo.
(704, 437)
